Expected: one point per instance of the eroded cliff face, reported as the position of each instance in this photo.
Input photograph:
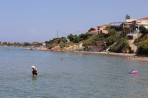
(70, 48)
(56, 48)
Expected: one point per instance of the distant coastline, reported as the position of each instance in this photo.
(127, 38)
(131, 56)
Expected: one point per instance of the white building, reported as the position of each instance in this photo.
(138, 22)
(143, 22)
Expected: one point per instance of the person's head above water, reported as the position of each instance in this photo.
(33, 67)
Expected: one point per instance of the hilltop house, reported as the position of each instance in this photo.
(137, 22)
(143, 22)
(134, 25)
(93, 32)
(102, 29)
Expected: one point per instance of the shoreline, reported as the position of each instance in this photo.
(109, 53)
(132, 56)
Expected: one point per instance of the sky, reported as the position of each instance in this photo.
(43, 20)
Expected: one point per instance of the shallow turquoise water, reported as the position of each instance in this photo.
(70, 75)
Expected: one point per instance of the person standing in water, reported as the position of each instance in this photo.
(34, 70)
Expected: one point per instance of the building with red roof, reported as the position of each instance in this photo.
(102, 29)
(143, 22)
(93, 32)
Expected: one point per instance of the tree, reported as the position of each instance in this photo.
(91, 29)
(4, 43)
(70, 37)
(112, 37)
(84, 36)
(143, 48)
(121, 46)
(26, 44)
(143, 30)
(76, 39)
(63, 39)
(127, 16)
(125, 31)
(117, 28)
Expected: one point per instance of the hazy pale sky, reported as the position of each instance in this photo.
(39, 20)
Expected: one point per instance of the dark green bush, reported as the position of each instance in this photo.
(143, 48)
(143, 30)
(121, 46)
(90, 42)
(112, 37)
(141, 39)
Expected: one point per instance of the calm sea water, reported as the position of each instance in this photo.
(70, 75)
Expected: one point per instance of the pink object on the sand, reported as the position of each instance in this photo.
(134, 72)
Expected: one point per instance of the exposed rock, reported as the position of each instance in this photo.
(56, 48)
(70, 48)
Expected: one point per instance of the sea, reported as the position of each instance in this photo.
(70, 75)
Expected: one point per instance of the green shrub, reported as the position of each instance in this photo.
(141, 39)
(143, 30)
(89, 42)
(56, 41)
(110, 40)
(143, 48)
(74, 38)
(85, 36)
(121, 46)
(112, 37)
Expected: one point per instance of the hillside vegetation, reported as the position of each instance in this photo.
(142, 42)
(115, 41)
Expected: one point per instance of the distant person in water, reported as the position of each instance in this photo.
(34, 70)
